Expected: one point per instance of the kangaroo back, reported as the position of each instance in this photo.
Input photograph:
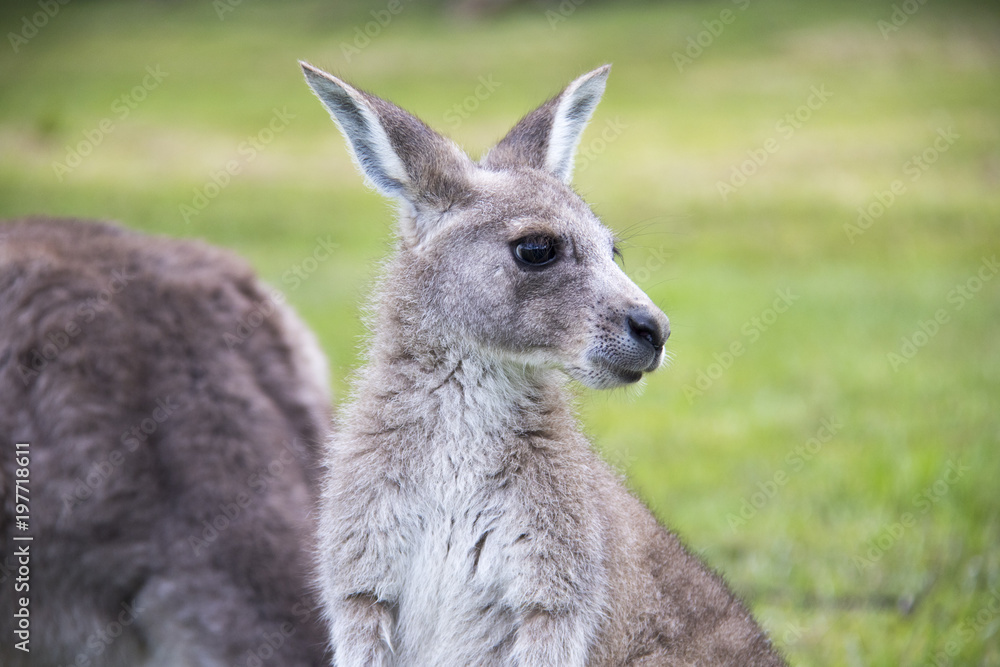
(171, 406)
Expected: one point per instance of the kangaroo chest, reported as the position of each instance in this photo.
(457, 603)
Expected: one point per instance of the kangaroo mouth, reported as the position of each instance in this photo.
(602, 373)
(625, 374)
(630, 362)
(614, 363)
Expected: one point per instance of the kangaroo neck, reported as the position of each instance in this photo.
(457, 399)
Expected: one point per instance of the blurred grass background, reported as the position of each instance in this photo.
(863, 548)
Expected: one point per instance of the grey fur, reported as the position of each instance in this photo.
(465, 520)
(173, 454)
(528, 143)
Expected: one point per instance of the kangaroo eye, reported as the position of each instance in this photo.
(535, 250)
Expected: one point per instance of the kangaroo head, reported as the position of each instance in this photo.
(501, 256)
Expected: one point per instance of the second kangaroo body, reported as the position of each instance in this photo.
(465, 519)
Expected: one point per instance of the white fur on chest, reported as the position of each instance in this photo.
(458, 599)
(455, 605)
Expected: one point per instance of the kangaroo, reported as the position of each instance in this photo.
(171, 407)
(464, 518)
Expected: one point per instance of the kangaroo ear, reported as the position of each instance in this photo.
(548, 136)
(400, 156)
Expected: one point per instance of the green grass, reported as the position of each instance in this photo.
(697, 455)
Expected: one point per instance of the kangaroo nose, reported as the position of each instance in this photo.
(643, 326)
